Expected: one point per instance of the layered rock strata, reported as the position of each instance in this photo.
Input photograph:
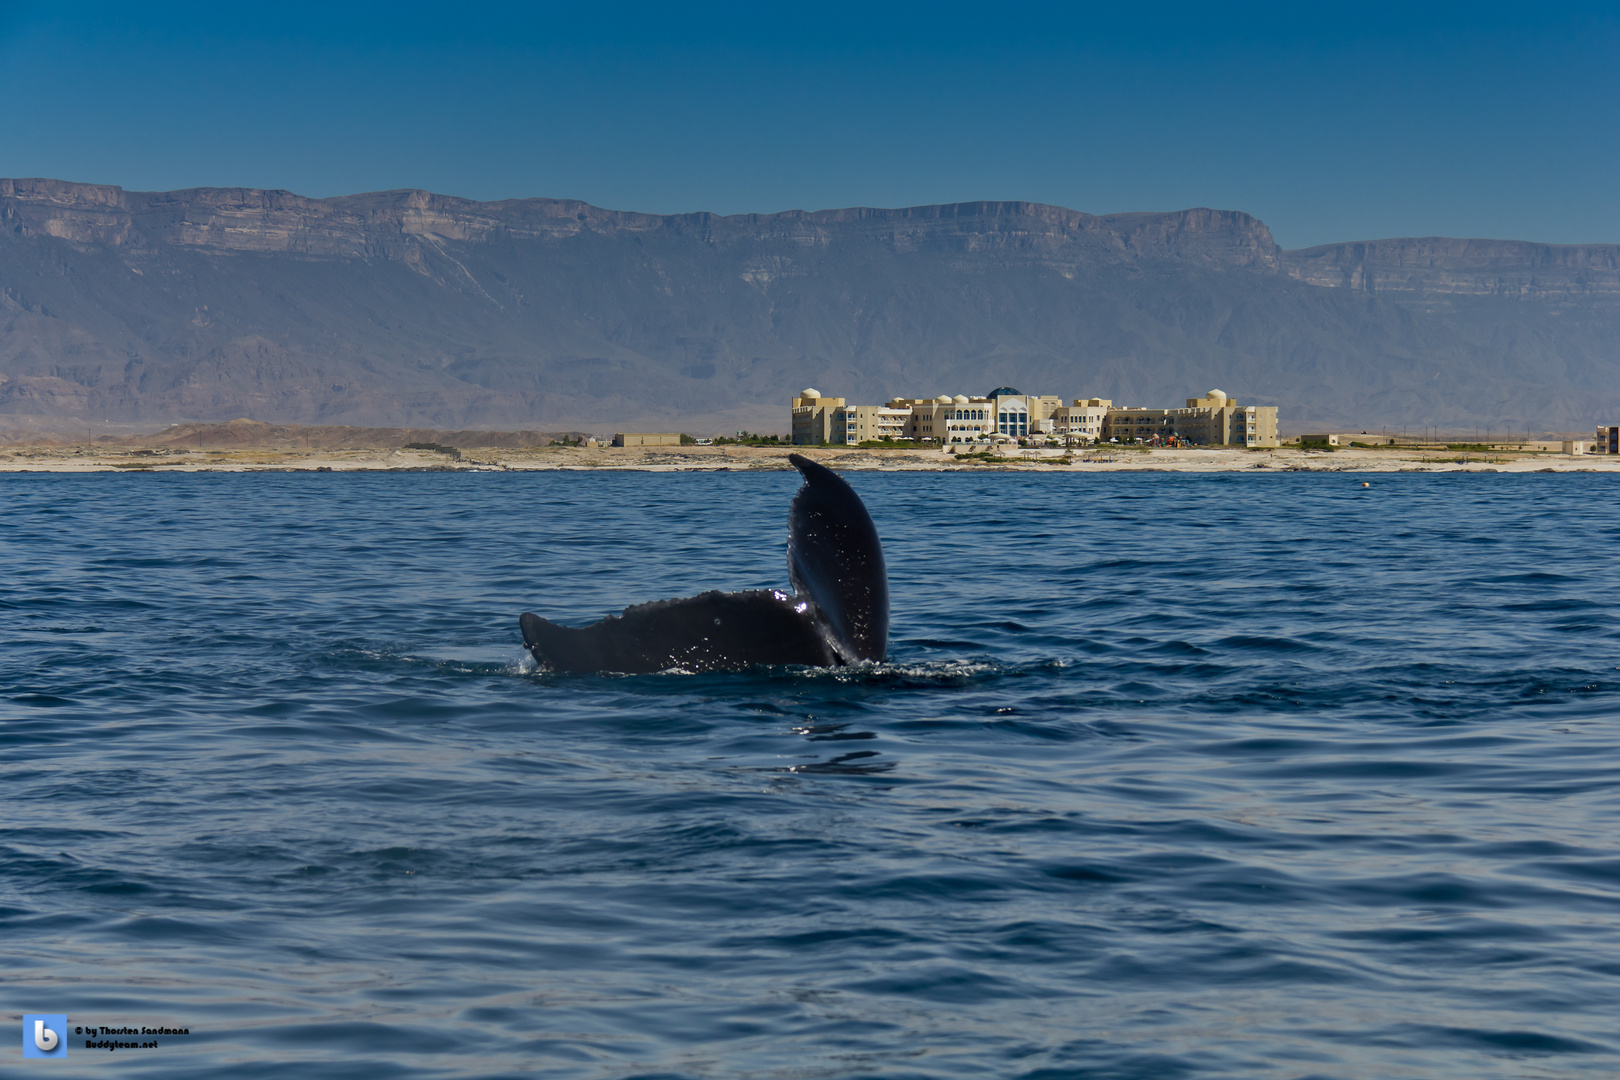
(409, 309)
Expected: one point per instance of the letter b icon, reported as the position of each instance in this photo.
(44, 1035)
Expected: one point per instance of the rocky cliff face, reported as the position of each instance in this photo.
(1436, 268)
(410, 309)
(387, 225)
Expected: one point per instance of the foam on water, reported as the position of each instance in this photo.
(1165, 776)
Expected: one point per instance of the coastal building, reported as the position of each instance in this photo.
(853, 424)
(1217, 420)
(1130, 423)
(1607, 441)
(1021, 415)
(813, 418)
(1211, 420)
(1082, 422)
(947, 418)
(1008, 413)
(922, 414)
(967, 419)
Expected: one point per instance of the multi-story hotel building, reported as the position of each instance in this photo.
(1008, 414)
(963, 419)
(947, 419)
(862, 422)
(813, 419)
(1217, 420)
(1211, 420)
(1083, 421)
(1129, 423)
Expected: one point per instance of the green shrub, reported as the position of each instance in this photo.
(748, 438)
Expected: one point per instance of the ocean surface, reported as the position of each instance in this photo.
(1167, 776)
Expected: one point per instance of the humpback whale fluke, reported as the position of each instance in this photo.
(838, 613)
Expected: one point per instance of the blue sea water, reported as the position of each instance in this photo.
(1167, 776)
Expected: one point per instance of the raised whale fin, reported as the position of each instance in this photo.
(713, 631)
(836, 561)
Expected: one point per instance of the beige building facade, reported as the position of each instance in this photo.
(947, 418)
(853, 424)
(1127, 423)
(1213, 419)
(813, 417)
(1081, 422)
(1019, 415)
(1217, 420)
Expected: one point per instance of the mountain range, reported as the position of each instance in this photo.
(409, 309)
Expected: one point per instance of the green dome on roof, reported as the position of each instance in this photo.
(1005, 391)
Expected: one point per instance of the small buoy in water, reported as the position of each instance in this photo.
(1365, 484)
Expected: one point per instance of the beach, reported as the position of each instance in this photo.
(131, 456)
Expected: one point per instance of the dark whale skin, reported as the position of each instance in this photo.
(838, 614)
(713, 631)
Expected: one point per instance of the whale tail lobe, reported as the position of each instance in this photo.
(836, 560)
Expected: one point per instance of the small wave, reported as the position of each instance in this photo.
(866, 673)
(856, 763)
(1267, 644)
(470, 660)
(937, 672)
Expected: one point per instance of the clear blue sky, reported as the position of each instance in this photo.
(1330, 122)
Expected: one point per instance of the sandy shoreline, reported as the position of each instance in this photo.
(732, 458)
